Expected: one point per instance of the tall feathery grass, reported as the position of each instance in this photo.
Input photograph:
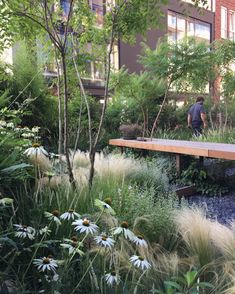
(224, 239)
(195, 230)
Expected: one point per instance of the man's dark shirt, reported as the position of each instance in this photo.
(195, 112)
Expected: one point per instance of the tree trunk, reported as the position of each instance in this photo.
(160, 111)
(60, 120)
(92, 166)
(106, 92)
(66, 150)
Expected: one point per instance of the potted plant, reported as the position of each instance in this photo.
(130, 131)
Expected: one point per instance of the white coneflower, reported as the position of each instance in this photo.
(35, 129)
(140, 262)
(104, 241)
(2, 123)
(6, 201)
(23, 231)
(72, 245)
(85, 226)
(123, 229)
(53, 216)
(70, 214)
(35, 150)
(139, 241)
(112, 278)
(10, 125)
(105, 205)
(44, 231)
(27, 135)
(45, 263)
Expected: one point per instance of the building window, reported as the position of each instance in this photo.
(98, 9)
(115, 58)
(224, 23)
(202, 32)
(94, 67)
(232, 25)
(172, 26)
(180, 26)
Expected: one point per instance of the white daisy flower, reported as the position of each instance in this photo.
(23, 231)
(3, 123)
(123, 229)
(26, 129)
(105, 205)
(73, 246)
(6, 201)
(44, 231)
(45, 263)
(139, 241)
(140, 262)
(27, 135)
(53, 216)
(70, 214)
(104, 241)
(18, 129)
(35, 129)
(85, 226)
(10, 125)
(35, 150)
(112, 278)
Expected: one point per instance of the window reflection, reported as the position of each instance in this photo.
(232, 26)
(98, 9)
(172, 26)
(224, 22)
(180, 26)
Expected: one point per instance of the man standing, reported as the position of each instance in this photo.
(197, 116)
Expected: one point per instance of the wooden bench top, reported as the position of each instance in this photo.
(205, 149)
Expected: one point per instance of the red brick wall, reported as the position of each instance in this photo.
(230, 5)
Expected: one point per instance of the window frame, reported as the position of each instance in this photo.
(224, 25)
(188, 20)
(231, 32)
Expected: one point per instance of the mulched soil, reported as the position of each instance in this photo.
(221, 208)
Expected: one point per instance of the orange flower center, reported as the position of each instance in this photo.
(56, 213)
(124, 225)
(36, 145)
(104, 238)
(86, 223)
(108, 200)
(140, 237)
(74, 243)
(46, 260)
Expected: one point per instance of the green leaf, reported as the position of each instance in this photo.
(173, 284)
(13, 168)
(190, 277)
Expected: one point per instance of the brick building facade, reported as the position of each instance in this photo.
(225, 19)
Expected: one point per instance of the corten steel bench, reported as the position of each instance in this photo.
(180, 147)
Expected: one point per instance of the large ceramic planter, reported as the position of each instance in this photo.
(130, 131)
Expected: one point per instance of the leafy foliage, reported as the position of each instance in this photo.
(204, 183)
